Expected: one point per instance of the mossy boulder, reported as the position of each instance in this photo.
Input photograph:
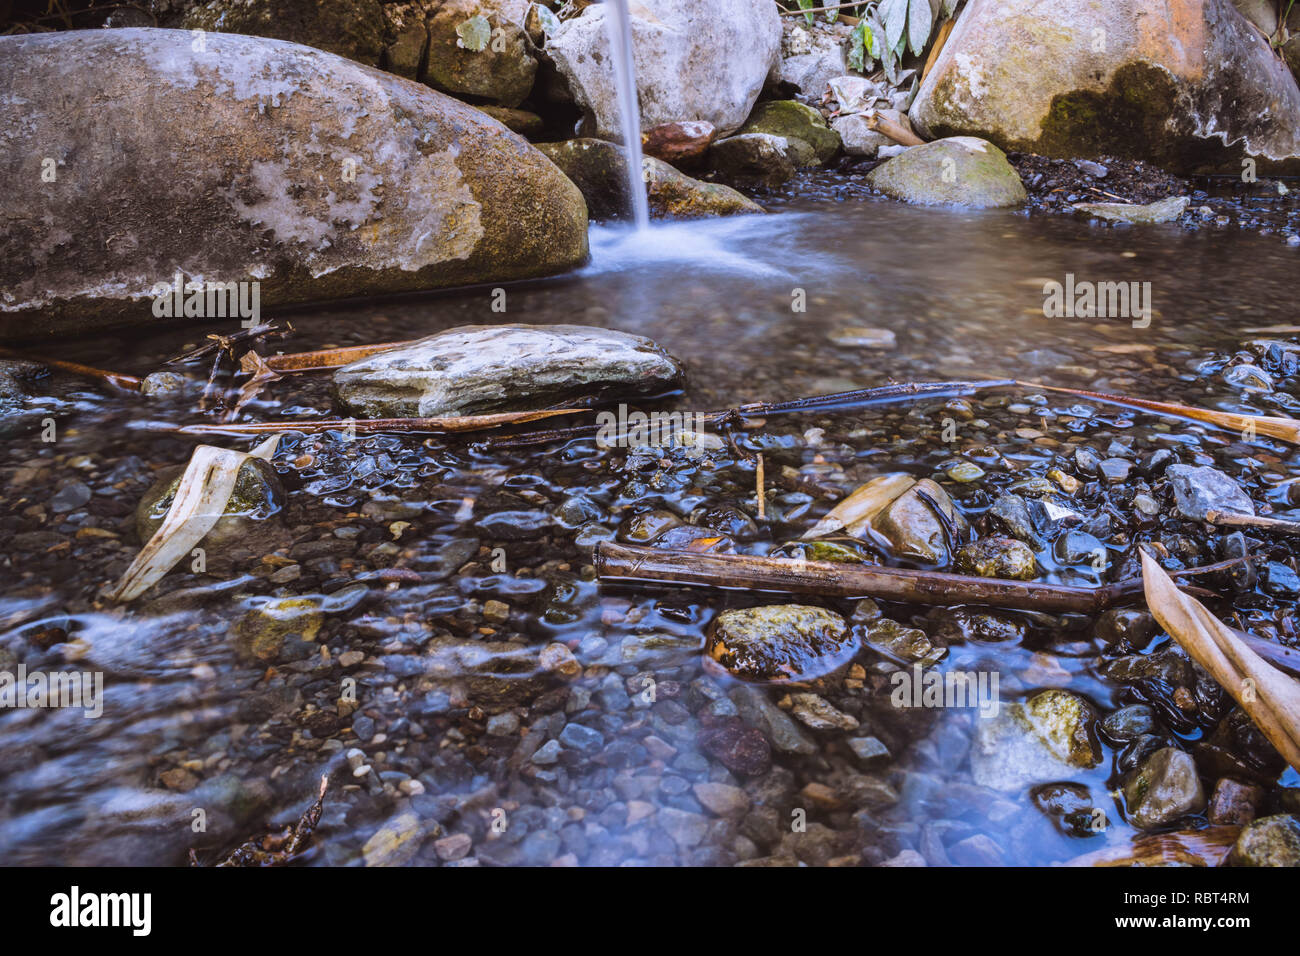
(960, 170)
(1187, 84)
(251, 160)
(793, 120)
(598, 168)
(261, 633)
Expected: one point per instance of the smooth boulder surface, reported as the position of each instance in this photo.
(1187, 84)
(479, 369)
(251, 160)
(693, 61)
(598, 168)
(960, 170)
(780, 642)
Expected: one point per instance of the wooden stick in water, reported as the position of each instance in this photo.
(1227, 519)
(617, 563)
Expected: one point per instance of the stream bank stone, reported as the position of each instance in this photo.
(598, 167)
(479, 369)
(960, 170)
(1187, 84)
(1163, 210)
(332, 180)
(1270, 841)
(1198, 490)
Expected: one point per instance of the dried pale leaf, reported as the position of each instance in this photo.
(862, 505)
(1269, 697)
(1285, 429)
(200, 501)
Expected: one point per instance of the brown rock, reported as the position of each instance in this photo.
(682, 144)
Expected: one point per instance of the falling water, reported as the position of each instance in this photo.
(619, 22)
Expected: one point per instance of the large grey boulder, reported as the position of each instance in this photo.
(1188, 84)
(693, 60)
(479, 369)
(232, 159)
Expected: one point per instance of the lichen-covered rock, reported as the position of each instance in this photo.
(1269, 841)
(478, 369)
(693, 61)
(597, 167)
(332, 179)
(780, 642)
(1165, 788)
(477, 49)
(793, 120)
(997, 558)
(959, 170)
(1187, 84)
(260, 634)
(517, 121)
(351, 28)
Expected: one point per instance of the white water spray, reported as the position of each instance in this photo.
(618, 19)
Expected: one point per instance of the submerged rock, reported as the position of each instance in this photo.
(1162, 210)
(334, 180)
(780, 642)
(477, 369)
(997, 558)
(1187, 84)
(1165, 788)
(1270, 841)
(960, 170)
(598, 167)
(1047, 739)
(693, 61)
(1198, 490)
(258, 494)
(911, 526)
(793, 120)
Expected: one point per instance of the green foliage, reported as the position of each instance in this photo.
(886, 29)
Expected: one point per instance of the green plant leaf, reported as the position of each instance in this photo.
(947, 8)
(858, 47)
(919, 20)
(808, 5)
(893, 16)
(875, 36)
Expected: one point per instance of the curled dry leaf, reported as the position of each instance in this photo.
(200, 501)
(1269, 697)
